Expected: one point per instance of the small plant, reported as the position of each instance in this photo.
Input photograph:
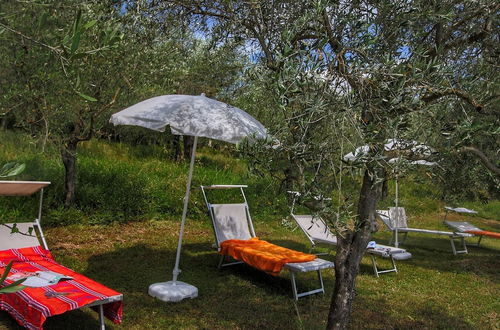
(11, 169)
(13, 287)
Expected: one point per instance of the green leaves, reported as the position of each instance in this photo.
(42, 21)
(13, 287)
(77, 32)
(11, 169)
(90, 24)
(72, 42)
(87, 97)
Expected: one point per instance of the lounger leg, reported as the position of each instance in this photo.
(464, 246)
(101, 318)
(297, 295)
(478, 241)
(394, 264)
(377, 272)
(374, 263)
(320, 278)
(404, 239)
(222, 264)
(453, 246)
(221, 260)
(401, 241)
(294, 286)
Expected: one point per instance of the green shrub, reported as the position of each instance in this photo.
(118, 182)
(117, 189)
(61, 216)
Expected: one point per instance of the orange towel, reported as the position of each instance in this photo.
(263, 255)
(484, 233)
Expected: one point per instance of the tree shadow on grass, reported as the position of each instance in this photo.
(227, 298)
(83, 318)
(233, 297)
(434, 252)
(371, 313)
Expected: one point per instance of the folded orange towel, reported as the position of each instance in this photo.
(484, 233)
(263, 255)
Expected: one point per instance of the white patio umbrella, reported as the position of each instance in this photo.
(197, 116)
(414, 148)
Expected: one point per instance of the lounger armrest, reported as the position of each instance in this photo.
(438, 232)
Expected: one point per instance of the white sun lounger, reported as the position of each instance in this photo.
(318, 232)
(462, 227)
(30, 234)
(390, 219)
(233, 221)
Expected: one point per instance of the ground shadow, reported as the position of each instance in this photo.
(369, 313)
(130, 270)
(434, 252)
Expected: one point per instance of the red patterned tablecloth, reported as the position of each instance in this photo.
(31, 306)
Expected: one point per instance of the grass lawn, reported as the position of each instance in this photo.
(434, 289)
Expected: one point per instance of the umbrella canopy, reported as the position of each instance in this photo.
(412, 148)
(192, 115)
(197, 116)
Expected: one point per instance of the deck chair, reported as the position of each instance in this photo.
(466, 227)
(396, 218)
(317, 231)
(27, 248)
(233, 221)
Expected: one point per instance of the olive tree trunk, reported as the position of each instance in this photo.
(68, 154)
(350, 249)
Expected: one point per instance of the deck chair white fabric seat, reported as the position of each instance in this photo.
(466, 227)
(29, 235)
(317, 231)
(233, 221)
(396, 218)
(15, 240)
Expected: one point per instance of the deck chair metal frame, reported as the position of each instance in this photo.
(228, 230)
(317, 232)
(464, 226)
(30, 234)
(396, 217)
(461, 226)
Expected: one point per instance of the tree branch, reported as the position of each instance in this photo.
(447, 43)
(338, 50)
(55, 50)
(484, 159)
(435, 95)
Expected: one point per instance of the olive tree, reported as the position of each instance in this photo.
(56, 75)
(361, 72)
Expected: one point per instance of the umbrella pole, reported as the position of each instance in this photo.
(176, 270)
(396, 243)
